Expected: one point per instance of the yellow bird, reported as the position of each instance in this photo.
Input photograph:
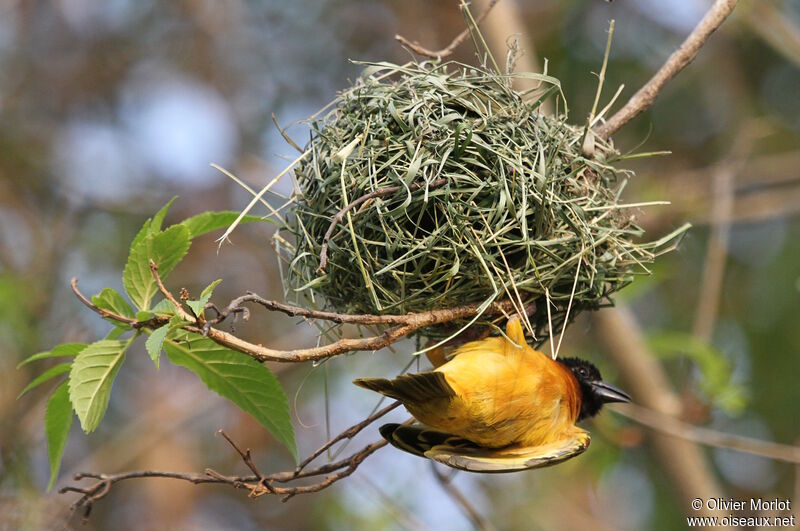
(497, 406)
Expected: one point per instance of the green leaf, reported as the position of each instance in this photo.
(158, 219)
(155, 342)
(60, 351)
(206, 293)
(109, 299)
(211, 221)
(57, 423)
(91, 378)
(164, 307)
(52, 372)
(166, 249)
(240, 379)
(116, 332)
(199, 305)
(143, 233)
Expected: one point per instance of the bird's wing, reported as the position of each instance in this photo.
(418, 388)
(418, 440)
(510, 459)
(460, 453)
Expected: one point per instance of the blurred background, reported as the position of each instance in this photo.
(108, 109)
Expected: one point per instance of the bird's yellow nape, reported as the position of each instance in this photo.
(515, 332)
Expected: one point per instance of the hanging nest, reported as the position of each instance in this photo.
(461, 191)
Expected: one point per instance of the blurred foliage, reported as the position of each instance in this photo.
(108, 109)
(716, 372)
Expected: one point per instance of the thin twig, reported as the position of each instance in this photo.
(677, 428)
(478, 521)
(450, 48)
(102, 312)
(676, 62)
(168, 294)
(235, 307)
(389, 190)
(349, 433)
(258, 484)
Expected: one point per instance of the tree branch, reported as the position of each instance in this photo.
(405, 325)
(349, 433)
(450, 48)
(674, 427)
(258, 484)
(684, 55)
(683, 461)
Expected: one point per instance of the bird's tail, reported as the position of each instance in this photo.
(410, 388)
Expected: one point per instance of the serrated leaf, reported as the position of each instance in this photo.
(196, 306)
(110, 299)
(91, 377)
(144, 231)
(166, 249)
(50, 373)
(211, 221)
(199, 305)
(209, 290)
(155, 342)
(158, 219)
(240, 379)
(59, 351)
(164, 307)
(57, 423)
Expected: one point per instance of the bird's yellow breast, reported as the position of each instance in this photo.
(506, 393)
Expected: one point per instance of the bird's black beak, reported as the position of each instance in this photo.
(608, 393)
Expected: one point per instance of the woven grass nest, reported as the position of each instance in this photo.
(461, 191)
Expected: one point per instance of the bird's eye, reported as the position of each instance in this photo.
(583, 372)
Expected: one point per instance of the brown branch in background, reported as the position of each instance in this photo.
(478, 521)
(776, 29)
(258, 484)
(389, 190)
(683, 461)
(722, 204)
(450, 48)
(676, 62)
(677, 428)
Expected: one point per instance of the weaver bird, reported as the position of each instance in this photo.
(498, 405)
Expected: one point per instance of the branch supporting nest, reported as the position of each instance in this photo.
(400, 326)
(685, 54)
(257, 483)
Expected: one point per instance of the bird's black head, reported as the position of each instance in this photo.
(594, 391)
